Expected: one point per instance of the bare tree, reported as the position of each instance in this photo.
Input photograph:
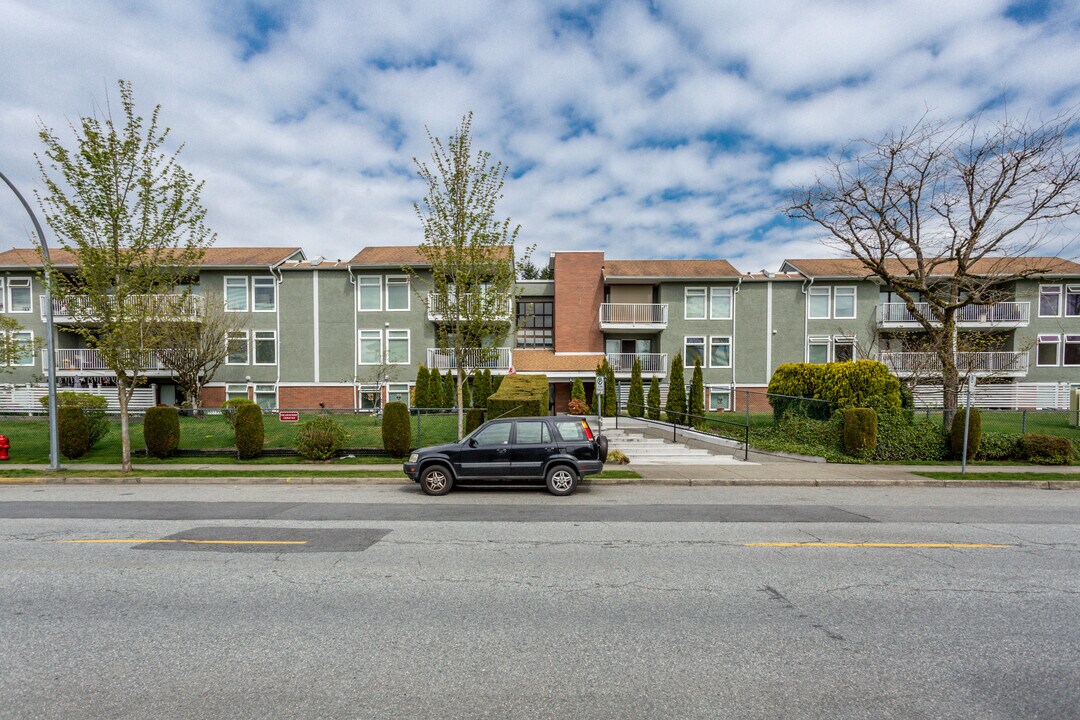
(194, 349)
(947, 216)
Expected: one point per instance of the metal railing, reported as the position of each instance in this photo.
(472, 359)
(634, 314)
(912, 363)
(88, 360)
(169, 305)
(650, 362)
(473, 303)
(688, 423)
(993, 314)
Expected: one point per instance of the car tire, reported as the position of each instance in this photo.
(436, 480)
(561, 480)
(602, 446)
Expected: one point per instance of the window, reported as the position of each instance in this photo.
(238, 348)
(693, 350)
(818, 303)
(397, 347)
(1072, 301)
(23, 355)
(497, 434)
(570, 430)
(397, 292)
(266, 396)
(844, 302)
(1072, 350)
(1050, 301)
(264, 291)
(818, 351)
(236, 294)
(370, 347)
(370, 397)
(719, 398)
(720, 304)
(369, 288)
(265, 342)
(398, 393)
(234, 392)
(843, 349)
(720, 352)
(535, 324)
(19, 298)
(3, 304)
(532, 432)
(1047, 353)
(694, 303)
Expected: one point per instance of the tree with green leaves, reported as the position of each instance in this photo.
(675, 407)
(132, 219)
(421, 396)
(697, 394)
(653, 400)
(470, 253)
(636, 400)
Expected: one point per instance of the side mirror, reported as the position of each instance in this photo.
(472, 442)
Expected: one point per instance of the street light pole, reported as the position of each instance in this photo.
(50, 343)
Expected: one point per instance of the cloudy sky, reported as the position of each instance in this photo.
(645, 129)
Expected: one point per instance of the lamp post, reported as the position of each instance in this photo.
(50, 343)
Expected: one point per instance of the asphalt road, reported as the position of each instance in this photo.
(620, 602)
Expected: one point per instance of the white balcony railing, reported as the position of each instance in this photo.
(978, 363)
(77, 308)
(475, 305)
(633, 315)
(501, 359)
(88, 361)
(655, 363)
(1002, 313)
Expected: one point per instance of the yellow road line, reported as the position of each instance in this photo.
(197, 542)
(875, 545)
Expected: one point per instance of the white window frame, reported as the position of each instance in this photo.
(704, 349)
(408, 345)
(398, 280)
(821, 291)
(247, 293)
(360, 282)
(709, 389)
(10, 306)
(704, 302)
(1060, 299)
(1047, 339)
(1066, 341)
(391, 391)
(262, 281)
(255, 394)
(369, 388)
(843, 340)
(3, 295)
(231, 389)
(255, 345)
(815, 340)
(247, 347)
(360, 346)
(1069, 290)
(30, 340)
(853, 290)
(721, 291)
(730, 349)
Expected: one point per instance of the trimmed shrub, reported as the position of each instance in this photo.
(319, 438)
(496, 383)
(250, 433)
(611, 397)
(635, 401)
(520, 396)
(652, 401)
(466, 395)
(697, 393)
(474, 418)
(449, 390)
(1047, 449)
(860, 432)
(900, 439)
(482, 391)
(94, 407)
(1001, 446)
(577, 407)
(577, 392)
(675, 407)
(862, 383)
(74, 432)
(435, 389)
(161, 431)
(956, 436)
(396, 429)
(421, 396)
(229, 410)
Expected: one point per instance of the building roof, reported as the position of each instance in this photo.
(397, 256)
(669, 269)
(852, 268)
(547, 360)
(212, 257)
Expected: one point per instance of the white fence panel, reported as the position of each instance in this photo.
(1014, 396)
(27, 397)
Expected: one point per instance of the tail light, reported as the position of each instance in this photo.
(588, 430)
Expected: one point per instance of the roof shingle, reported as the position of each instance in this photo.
(669, 269)
(850, 267)
(396, 256)
(212, 257)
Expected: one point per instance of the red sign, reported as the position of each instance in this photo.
(290, 416)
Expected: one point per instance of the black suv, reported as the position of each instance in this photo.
(556, 450)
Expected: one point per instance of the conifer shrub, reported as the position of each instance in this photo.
(635, 401)
(161, 431)
(421, 396)
(74, 432)
(496, 383)
(466, 394)
(449, 390)
(653, 400)
(396, 429)
(675, 407)
(319, 438)
(250, 432)
(697, 394)
(482, 391)
(435, 389)
(94, 407)
(577, 392)
(956, 435)
(1047, 449)
(474, 418)
(860, 432)
(611, 397)
(229, 409)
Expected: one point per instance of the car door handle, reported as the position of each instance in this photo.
(500, 450)
(550, 449)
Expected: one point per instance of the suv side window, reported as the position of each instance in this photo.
(532, 432)
(570, 430)
(498, 434)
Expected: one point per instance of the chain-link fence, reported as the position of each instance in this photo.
(1018, 422)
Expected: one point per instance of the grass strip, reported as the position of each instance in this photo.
(1042, 477)
(202, 473)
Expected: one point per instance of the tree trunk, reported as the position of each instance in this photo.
(950, 376)
(125, 436)
(460, 406)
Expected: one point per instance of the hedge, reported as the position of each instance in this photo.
(474, 418)
(250, 433)
(901, 439)
(840, 385)
(520, 396)
(229, 410)
(396, 429)
(161, 431)
(956, 436)
(74, 432)
(860, 431)
(1047, 449)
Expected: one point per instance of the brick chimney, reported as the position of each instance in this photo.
(579, 291)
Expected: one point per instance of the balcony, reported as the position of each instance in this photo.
(631, 317)
(445, 312)
(997, 315)
(445, 360)
(77, 308)
(1001, 364)
(651, 363)
(88, 362)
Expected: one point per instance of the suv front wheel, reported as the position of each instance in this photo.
(561, 480)
(436, 480)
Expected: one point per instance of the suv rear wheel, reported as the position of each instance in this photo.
(436, 480)
(561, 480)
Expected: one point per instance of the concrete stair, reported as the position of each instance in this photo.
(644, 450)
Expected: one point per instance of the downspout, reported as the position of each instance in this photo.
(355, 341)
(806, 318)
(734, 325)
(279, 278)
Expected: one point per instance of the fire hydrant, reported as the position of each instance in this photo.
(5, 445)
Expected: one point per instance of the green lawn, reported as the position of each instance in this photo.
(1043, 477)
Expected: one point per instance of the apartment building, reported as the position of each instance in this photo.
(352, 333)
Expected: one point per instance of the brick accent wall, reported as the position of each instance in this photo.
(212, 397)
(579, 292)
(759, 401)
(310, 396)
(562, 396)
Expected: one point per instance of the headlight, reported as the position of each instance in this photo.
(412, 458)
